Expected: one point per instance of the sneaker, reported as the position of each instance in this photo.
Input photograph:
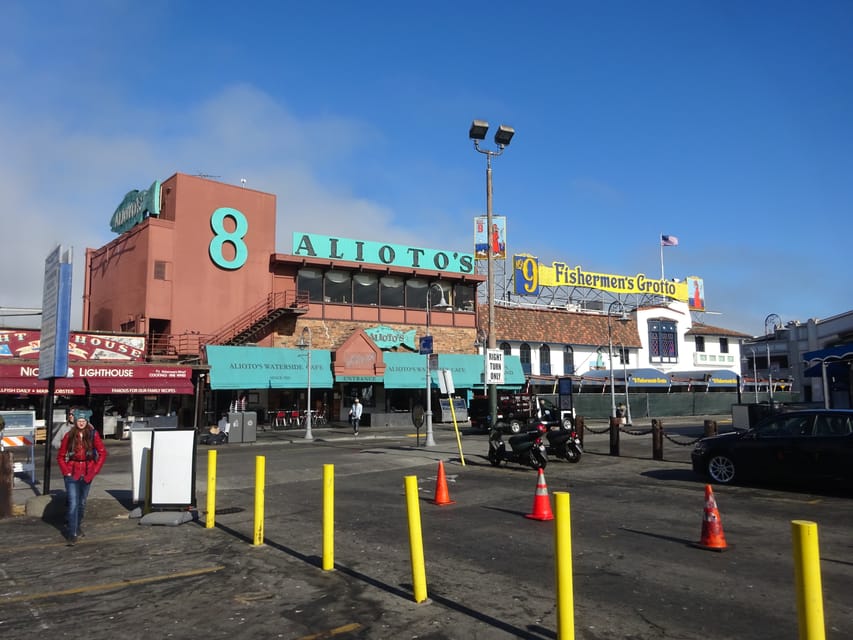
(72, 540)
(80, 533)
(355, 433)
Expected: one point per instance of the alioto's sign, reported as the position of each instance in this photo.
(531, 276)
(316, 246)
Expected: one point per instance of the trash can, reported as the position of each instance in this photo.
(250, 426)
(235, 427)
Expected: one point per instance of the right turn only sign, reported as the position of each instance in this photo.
(495, 362)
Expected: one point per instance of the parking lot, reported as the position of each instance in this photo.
(490, 570)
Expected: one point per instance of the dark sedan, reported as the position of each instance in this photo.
(799, 445)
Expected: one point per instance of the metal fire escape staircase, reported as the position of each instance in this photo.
(251, 325)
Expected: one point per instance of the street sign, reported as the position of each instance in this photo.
(495, 362)
(425, 345)
(445, 381)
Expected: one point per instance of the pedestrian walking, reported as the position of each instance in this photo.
(81, 457)
(355, 415)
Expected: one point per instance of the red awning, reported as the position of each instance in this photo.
(150, 386)
(27, 386)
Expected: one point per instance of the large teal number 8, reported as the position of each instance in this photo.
(221, 235)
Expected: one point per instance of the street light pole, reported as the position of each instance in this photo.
(622, 353)
(614, 421)
(306, 344)
(503, 136)
(754, 375)
(430, 440)
(769, 374)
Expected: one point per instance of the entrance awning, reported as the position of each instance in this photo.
(268, 368)
(711, 377)
(832, 357)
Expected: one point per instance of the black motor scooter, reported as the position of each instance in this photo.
(524, 448)
(565, 444)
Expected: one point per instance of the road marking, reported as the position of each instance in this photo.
(353, 626)
(111, 585)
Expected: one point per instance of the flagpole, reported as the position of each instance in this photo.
(660, 244)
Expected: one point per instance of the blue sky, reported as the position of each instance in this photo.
(727, 124)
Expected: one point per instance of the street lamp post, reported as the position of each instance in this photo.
(614, 422)
(503, 136)
(622, 318)
(754, 375)
(622, 353)
(769, 375)
(430, 440)
(305, 343)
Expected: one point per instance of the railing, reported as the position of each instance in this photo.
(184, 346)
(261, 313)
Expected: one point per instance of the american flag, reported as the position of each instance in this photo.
(668, 241)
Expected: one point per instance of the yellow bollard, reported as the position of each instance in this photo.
(260, 463)
(807, 580)
(563, 564)
(328, 517)
(210, 518)
(416, 543)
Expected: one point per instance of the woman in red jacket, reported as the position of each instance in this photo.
(81, 457)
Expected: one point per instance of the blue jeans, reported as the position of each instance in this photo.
(77, 491)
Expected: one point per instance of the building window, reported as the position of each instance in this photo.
(524, 356)
(724, 345)
(391, 291)
(338, 287)
(700, 344)
(624, 356)
(159, 270)
(310, 281)
(506, 348)
(464, 298)
(416, 293)
(663, 341)
(545, 360)
(568, 361)
(365, 288)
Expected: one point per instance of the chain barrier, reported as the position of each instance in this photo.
(644, 432)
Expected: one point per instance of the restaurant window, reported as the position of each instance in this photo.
(365, 288)
(464, 297)
(663, 341)
(310, 281)
(338, 287)
(545, 360)
(416, 293)
(524, 356)
(391, 292)
(568, 360)
(700, 344)
(440, 299)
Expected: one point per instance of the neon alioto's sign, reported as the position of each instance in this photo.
(135, 206)
(530, 276)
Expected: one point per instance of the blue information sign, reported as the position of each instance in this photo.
(425, 345)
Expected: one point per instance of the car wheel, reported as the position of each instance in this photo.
(567, 424)
(515, 426)
(721, 468)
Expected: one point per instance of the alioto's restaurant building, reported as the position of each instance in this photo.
(194, 271)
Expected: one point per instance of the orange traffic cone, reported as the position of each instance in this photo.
(712, 527)
(541, 501)
(442, 497)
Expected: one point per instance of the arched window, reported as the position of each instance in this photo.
(568, 360)
(545, 360)
(524, 356)
(506, 348)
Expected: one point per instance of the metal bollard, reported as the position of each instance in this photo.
(614, 435)
(710, 428)
(580, 424)
(657, 440)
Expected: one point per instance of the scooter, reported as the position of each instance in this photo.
(524, 448)
(565, 443)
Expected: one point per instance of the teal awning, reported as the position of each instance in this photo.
(267, 368)
(408, 370)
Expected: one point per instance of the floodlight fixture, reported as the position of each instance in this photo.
(478, 130)
(503, 135)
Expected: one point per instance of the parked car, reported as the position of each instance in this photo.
(798, 445)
